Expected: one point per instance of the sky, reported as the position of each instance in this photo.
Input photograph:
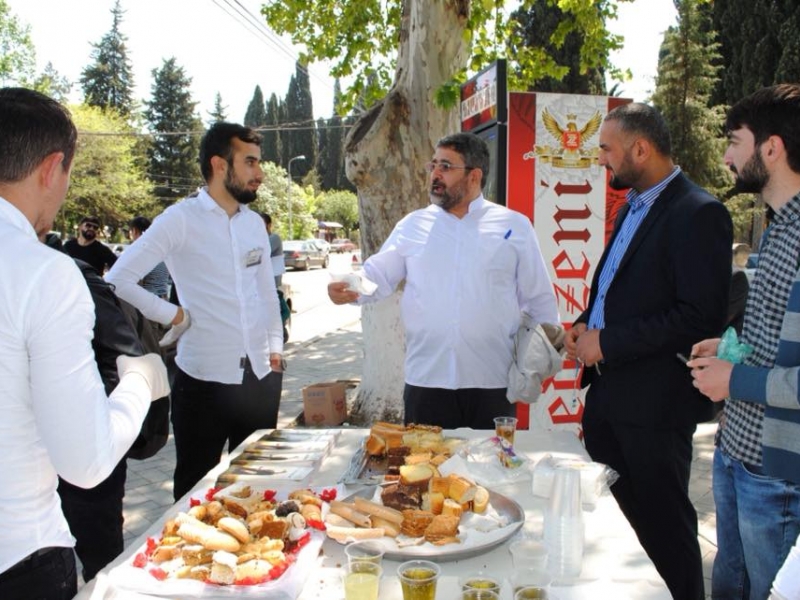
(225, 51)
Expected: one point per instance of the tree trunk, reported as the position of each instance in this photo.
(385, 154)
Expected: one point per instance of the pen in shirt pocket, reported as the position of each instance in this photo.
(507, 235)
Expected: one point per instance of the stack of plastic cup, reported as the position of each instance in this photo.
(563, 526)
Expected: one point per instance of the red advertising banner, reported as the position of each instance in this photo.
(554, 178)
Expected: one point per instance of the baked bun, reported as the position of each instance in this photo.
(451, 507)
(235, 527)
(481, 500)
(440, 484)
(376, 445)
(462, 490)
(433, 501)
(416, 475)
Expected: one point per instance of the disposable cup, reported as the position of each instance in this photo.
(480, 581)
(365, 550)
(473, 594)
(418, 579)
(361, 580)
(528, 554)
(505, 427)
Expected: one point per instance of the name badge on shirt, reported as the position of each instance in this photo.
(253, 258)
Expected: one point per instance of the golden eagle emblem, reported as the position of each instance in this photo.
(571, 153)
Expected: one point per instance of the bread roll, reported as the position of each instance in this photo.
(481, 500)
(375, 445)
(416, 475)
(461, 490)
(451, 507)
(433, 501)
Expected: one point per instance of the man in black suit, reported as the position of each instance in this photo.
(661, 285)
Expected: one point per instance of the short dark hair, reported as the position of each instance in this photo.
(90, 219)
(643, 120)
(771, 111)
(267, 218)
(140, 223)
(472, 148)
(32, 127)
(217, 142)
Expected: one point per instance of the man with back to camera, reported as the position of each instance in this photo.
(756, 472)
(57, 419)
(660, 286)
(471, 267)
(229, 330)
(88, 248)
(158, 280)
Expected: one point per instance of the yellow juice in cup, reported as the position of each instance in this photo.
(419, 583)
(361, 586)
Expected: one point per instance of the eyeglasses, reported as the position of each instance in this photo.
(444, 166)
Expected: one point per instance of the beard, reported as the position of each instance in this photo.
(623, 177)
(445, 197)
(240, 192)
(753, 177)
(89, 234)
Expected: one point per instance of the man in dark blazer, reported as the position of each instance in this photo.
(661, 285)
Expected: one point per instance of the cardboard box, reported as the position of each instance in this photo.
(325, 404)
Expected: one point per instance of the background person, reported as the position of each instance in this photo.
(650, 298)
(88, 248)
(756, 473)
(57, 419)
(228, 327)
(157, 281)
(471, 267)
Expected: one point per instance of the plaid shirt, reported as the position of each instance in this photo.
(741, 430)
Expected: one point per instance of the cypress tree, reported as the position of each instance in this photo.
(256, 115)
(271, 144)
(173, 158)
(300, 114)
(108, 81)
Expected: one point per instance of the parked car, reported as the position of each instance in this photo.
(324, 244)
(342, 245)
(303, 254)
(751, 266)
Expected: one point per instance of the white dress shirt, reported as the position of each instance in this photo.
(56, 418)
(467, 282)
(221, 268)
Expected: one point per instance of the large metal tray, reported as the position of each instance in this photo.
(503, 505)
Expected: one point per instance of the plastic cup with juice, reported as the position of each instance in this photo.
(418, 579)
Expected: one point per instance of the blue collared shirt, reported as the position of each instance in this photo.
(640, 204)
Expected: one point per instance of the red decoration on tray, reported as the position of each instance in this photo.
(151, 546)
(194, 502)
(328, 495)
(140, 560)
(158, 573)
(269, 495)
(212, 492)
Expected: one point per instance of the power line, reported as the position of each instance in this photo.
(265, 34)
(281, 127)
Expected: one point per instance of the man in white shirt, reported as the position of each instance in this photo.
(471, 267)
(229, 331)
(57, 419)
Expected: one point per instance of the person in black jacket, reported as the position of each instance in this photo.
(95, 515)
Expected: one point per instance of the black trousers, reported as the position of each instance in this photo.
(653, 492)
(206, 414)
(48, 574)
(450, 409)
(95, 519)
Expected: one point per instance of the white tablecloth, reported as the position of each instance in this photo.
(614, 565)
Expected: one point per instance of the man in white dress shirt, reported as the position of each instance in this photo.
(57, 419)
(229, 330)
(471, 267)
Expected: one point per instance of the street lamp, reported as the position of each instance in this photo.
(289, 189)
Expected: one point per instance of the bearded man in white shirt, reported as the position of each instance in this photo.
(471, 267)
(57, 419)
(229, 330)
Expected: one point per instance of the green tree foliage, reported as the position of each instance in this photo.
(685, 80)
(219, 112)
(760, 45)
(340, 206)
(271, 140)
(17, 54)
(285, 136)
(300, 116)
(330, 158)
(360, 39)
(537, 25)
(256, 115)
(108, 81)
(176, 129)
(106, 179)
(273, 198)
(51, 83)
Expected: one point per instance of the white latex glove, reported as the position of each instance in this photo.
(176, 331)
(151, 367)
